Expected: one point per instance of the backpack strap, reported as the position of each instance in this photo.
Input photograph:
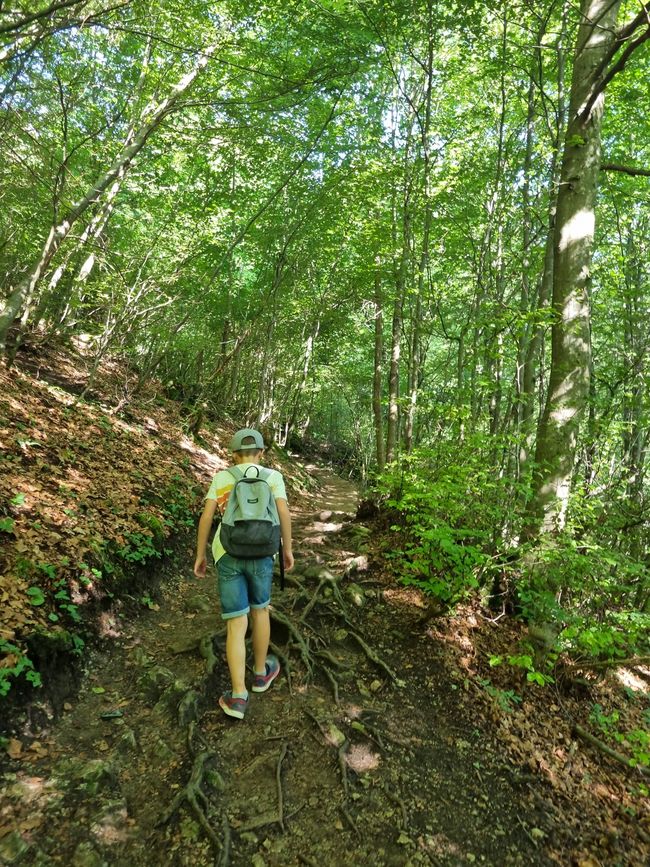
(235, 472)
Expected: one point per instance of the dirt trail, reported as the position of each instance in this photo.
(361, 753)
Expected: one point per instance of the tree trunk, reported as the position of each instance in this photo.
(392, 427)
(529, 373)
(568, 388)
(377, 373)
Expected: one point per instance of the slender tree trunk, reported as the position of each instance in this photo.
(416, 355)
(568, 388)
(392, 427)
(377, 373)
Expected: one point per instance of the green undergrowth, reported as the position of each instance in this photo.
(455, 519)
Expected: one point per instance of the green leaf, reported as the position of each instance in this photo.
(36, 595)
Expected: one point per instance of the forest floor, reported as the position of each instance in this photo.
(379, 743)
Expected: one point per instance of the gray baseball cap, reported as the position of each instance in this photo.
(237, 442)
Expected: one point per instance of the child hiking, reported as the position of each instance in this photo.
(255, 516)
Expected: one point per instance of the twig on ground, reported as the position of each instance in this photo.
(278, 781)
(527, 832)
(343, 765)
(600, 745)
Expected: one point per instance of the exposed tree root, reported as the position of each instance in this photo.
(305, 653)
(329, 656)
(188, 708)
(334, 682)
(194, 796)
(395, 799)
(206, 649)
(595, 665)
(314, 599)
(372, 656)
(286, 667)
(348, 818)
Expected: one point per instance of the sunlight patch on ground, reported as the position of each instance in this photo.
(631, 680)
(354, 711)
(108, 627)
(439, 845)
(113, 827)
(30, 788)
(360, 758)
(321, 527)
(410, 596)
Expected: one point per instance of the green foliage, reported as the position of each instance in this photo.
(634, 741)
(525, 661)
(448, 510)
(138, 548)
(596, 586)
(36, 596)
(505, 698)
(14, 663)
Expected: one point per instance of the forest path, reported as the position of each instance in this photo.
(360, 753)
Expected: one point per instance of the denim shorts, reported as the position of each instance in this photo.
(243, 584)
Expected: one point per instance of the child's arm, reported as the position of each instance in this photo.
(205, 524)
(285, 532)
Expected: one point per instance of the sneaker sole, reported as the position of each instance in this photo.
(237, 714)
(266, 685)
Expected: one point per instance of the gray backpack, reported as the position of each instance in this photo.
(250, 527)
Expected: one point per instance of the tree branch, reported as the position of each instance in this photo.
(49, 10)
(627, 170)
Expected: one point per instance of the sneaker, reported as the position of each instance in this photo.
(261, 682)
(233, 706)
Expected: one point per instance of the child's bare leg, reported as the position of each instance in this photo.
(236, 652)
(261, 637)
